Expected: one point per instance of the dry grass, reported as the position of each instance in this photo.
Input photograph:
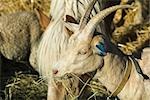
(134, 33)
(31, 87)
(26, 87)
(11, 6)
(142, 32)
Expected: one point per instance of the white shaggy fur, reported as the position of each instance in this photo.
(55, 38)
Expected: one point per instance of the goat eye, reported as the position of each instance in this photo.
(83, 51)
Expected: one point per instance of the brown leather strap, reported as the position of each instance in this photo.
(124, 80)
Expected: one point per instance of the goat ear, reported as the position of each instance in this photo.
(70, 19)
(98, 45)
(44, 20)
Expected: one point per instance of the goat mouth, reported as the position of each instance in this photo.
(63, 77)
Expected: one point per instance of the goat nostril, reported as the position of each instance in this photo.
(55, 71)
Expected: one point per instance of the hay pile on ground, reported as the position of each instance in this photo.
(31, 87)
(26, 87)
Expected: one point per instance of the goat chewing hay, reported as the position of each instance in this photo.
(9, 6)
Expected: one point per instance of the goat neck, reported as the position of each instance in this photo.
(114, 65)
(112, 73)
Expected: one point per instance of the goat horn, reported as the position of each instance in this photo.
(91, 25)
(85, 17)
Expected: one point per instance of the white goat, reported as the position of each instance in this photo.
(77, 49)
(79, 59)
(55, 39)
(20, 32)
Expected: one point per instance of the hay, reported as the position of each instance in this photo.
(142, 34)
(11, 6)
(31, 87)
(134, 33)
(26, 87)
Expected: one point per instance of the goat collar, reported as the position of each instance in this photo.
(124, 80)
